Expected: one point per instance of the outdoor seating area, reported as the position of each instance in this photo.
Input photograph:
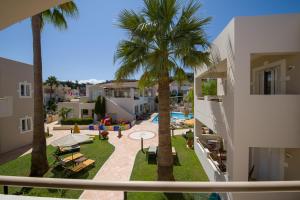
(151, 154)
(76, 162)
(215, 147)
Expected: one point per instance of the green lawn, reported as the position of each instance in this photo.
(188, 168)
(99, 150)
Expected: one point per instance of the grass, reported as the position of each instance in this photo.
(99, 150)
(188, 168)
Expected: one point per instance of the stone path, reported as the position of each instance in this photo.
(119, 166)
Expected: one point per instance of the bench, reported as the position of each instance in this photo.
(80, 167)
(152, 151)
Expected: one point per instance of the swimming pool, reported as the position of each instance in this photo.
(174, 116)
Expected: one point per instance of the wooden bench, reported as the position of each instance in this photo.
(81, 166)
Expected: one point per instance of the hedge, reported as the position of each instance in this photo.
(73, 121)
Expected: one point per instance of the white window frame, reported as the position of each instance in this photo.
(27, 130)
(25, 84)
(282, 76)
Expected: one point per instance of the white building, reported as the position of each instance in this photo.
(123, 100)
(251, 130)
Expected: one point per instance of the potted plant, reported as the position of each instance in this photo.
(190, 139)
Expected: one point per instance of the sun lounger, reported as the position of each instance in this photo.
(72, 157)
(65, 150)
(65, 161)
(80, 167)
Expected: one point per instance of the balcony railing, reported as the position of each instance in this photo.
(152, 186)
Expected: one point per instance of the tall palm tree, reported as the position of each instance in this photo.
(55, 16)
(51, 82)
(162, 38)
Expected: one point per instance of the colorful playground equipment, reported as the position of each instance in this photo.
(106, 121)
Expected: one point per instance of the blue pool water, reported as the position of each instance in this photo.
(174, 117)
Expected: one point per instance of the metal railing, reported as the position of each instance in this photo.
(152, 186)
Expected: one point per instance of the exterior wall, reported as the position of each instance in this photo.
(245, 120)
(11, 74)
(75, 113)
(261, 120)
(219, 116)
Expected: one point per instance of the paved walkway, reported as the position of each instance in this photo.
(119, 166)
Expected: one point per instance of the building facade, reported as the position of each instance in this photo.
(124, 101)
(250, 131)
(16, 105)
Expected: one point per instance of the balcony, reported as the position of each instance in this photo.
(210, 110)
(6, 106)
(210, 150)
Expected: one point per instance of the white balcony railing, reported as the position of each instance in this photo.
(212, 98)
(152, 186)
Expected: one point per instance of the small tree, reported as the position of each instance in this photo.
(190, 98)
(103, 106)
(52, 106)
(63, 112)
(209, 88)
(98, 107)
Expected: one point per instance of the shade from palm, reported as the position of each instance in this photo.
(57, 17)
(163, 37)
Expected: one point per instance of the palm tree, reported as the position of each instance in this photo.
(55, 16)
(63, 112)
(163, 37)
(51, 82)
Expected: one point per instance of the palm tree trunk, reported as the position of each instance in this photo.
(164, 158)
(39, 162)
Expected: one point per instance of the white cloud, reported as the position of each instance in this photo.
(93, 81)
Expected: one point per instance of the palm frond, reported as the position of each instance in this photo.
(58, 19)
(69, 9)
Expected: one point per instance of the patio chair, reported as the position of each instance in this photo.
(63, 162)
(80, 167)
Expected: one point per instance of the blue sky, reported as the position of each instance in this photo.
(85, 51)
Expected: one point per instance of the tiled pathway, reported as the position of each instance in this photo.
(119, 166)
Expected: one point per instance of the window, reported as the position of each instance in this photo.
(141, 108)
(26, 124)
(25, 90)
(85, 111)
(136, 109)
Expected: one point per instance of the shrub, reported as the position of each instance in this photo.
(73, 121)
